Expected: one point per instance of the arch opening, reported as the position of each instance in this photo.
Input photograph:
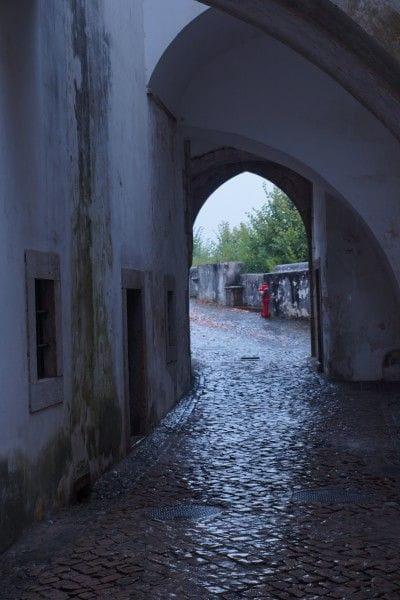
(256, 228)
(247, 97)
(348, 245)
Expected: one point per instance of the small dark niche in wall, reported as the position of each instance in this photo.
(82, 489)
(392, 358)
(391, 366)
(46, 349)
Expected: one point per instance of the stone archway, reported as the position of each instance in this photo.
(245, 100)
(342, 38)
(212, 169)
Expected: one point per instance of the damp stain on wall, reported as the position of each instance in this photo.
(95, 411)
(29, 489)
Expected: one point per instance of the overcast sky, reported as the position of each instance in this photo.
(231, 202)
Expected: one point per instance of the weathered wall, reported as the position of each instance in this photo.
(146, 166)
(162, 22)
(251, 283)
(37, 186)
(212, 280)
(358, 294)
(169, 257)
(96, 410)
(207, 284)
(289, 287)
(317, 128)
(193, 282)
(320, 291)
(289, 284)
(360, 298)
(92, 171)
(314, 127)
(290, 292)
(341, 37)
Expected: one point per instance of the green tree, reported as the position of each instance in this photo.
(272, 235)
(227, 243)
(203, 250)
(278, 234)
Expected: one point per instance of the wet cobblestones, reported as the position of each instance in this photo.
(254, 432)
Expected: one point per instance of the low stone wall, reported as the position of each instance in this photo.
(209, 282)
(226, 284)
(251, 283)
(194, 282)
(290, 293)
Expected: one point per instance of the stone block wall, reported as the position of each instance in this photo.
(194, 282)
(251, 283)
(209, 282)
(290, 291)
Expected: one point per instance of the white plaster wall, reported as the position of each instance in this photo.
(264, 92)
(146, 166)
(262, 97)
(128, 126)
(130, 213)
(38, 179)
(34, 191)
(163, 20)
(169, 258)
(210, 34)
(229, 83)
(361, 299)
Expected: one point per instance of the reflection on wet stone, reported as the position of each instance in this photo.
(253, 433)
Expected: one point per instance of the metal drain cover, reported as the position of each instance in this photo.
(328, 496)
(249, 358)
(182, 511)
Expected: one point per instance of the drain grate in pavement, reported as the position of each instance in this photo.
(249, 358)
(182, 511)
(328, 496)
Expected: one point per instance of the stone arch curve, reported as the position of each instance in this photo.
(355, 238)
(190, 79)
(213, 169)
(354, 42)
(347, 152)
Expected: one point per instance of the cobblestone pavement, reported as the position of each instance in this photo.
(254, 434)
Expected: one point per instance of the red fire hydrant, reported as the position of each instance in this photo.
(264, 291)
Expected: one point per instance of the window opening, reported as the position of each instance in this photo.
(44, 329)
(46, 348)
